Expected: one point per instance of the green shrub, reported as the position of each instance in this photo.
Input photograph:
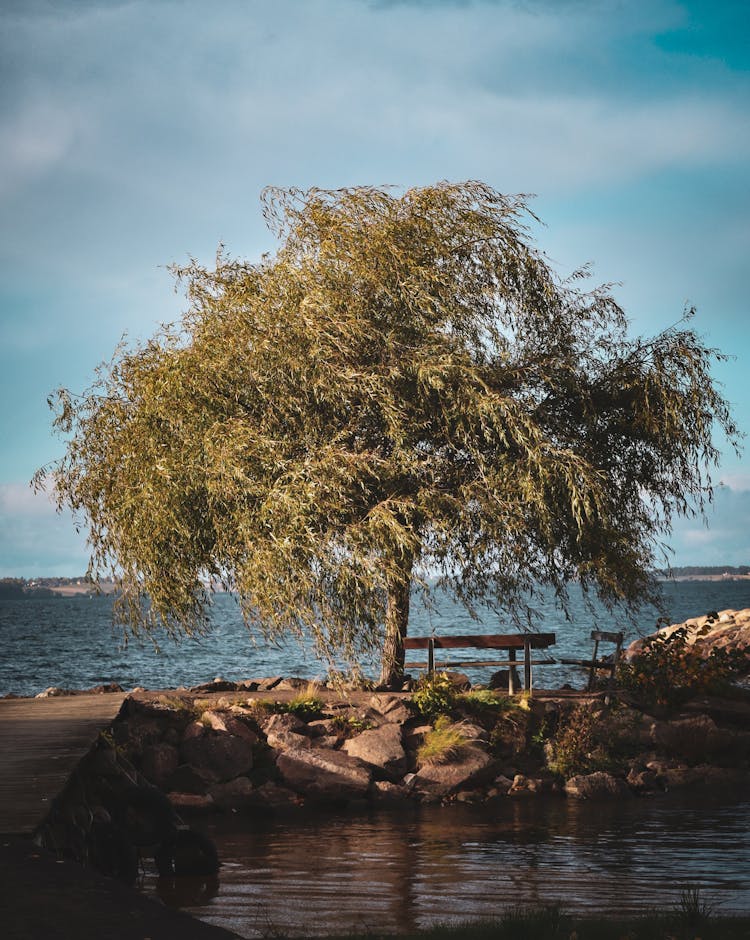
(435, 695)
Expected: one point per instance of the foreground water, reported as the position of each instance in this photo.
(70, 642)
(392, 871)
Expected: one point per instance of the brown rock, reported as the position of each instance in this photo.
(158, 762)
(381, 748)
(187, 779)
(383, 791)
(698, 739)
(324, 774)
(285, 730)
(392, 708)
(596, 786)
(191, 801)
(472, 767)
(225, 755)
(271, 795)
(231, 724)
(235, 794)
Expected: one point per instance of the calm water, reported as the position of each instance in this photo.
(407, 870)
(69, 642)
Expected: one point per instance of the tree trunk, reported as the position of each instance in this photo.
(396, 625)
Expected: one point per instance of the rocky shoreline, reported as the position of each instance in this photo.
(281, 744)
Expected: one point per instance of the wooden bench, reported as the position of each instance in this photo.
(511, 643)
(595, 664)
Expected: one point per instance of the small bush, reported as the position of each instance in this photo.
(577, 745)
(442, 744)
(435, 695)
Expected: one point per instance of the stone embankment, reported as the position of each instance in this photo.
(719, 630)
(206, 751)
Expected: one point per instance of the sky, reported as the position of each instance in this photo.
(140, 133)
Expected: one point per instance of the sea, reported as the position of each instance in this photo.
(71, 642)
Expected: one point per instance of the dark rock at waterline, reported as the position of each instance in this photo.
(186, 852)
(112, 852)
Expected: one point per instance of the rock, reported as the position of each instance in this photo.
(383, 791)
(235, 794)
(699, 739)
(54, 692)
(324, 727)
(186, 853)
(502, 783)
(729, 630)
(196, 802)
(271, 795)
(472, 767)
(596, 786)
(703, 775)
(473, 733)
(230, 724)
(266, 685)
(392, 708)
(158, 762)
(381, 748)
(188, 779)
(225, 755)
(459, 681)
(413, 737)
(324, 775)
(285, 730)
(218, 685)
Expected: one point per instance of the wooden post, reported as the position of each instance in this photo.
(511, 671)
(527, 664)
(592, 669)
(430, 656)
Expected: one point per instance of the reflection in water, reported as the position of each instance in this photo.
(404, 870)
(187, 890)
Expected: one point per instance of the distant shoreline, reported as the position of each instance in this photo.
(30, 588)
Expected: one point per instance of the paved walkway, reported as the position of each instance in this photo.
(41, 742)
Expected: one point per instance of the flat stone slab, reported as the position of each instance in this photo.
(41, 742)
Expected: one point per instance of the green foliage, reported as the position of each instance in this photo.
(435, 695)
(405, 386)
(442, 744)
(306, 707)
(668, 670)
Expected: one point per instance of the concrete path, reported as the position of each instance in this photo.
(41, 741)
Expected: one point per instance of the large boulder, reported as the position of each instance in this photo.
(285, 730)
(158, 762)
(392, 708)
(698, 739)
(223, 755)
(381, 748)
(324, 775)
(470, 768)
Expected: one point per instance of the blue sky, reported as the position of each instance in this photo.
(134, 134)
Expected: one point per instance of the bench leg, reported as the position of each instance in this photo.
(527, 665)
(430, 656)
(512, 677)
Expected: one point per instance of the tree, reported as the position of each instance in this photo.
(405, 387)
